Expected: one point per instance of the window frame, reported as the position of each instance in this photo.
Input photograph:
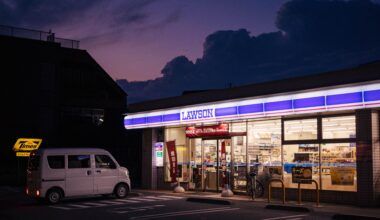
(68, 161)
(111, 168)
(64, 161)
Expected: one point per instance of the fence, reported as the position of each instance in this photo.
(37, 35)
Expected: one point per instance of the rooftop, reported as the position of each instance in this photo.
(37, 35)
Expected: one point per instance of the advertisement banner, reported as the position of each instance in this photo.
(223, 162)
(172, 153)
(302, 174)
(159, 152)
(208, 131)
(342, 175)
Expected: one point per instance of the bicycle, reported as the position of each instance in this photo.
(253, 183)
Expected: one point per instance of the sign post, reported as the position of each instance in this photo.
(23, 147)
(172, 153)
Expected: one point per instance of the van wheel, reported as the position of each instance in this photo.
(121, 190)
(53, 196)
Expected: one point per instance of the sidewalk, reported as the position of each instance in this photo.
(346, 210)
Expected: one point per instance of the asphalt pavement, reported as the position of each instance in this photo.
(149, 204)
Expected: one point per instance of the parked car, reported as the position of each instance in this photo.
(53, 174)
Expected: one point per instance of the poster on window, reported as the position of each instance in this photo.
(172, 153)
(159, 153)
(342, 175)
(302, 174)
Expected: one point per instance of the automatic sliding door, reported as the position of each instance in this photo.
(210, 164)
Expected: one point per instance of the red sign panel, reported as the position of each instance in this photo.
(207, 131)
(170, 145)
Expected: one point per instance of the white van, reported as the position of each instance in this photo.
(64, 172)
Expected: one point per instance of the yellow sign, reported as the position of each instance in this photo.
(22, 154)
(342, 175)
(27, 144)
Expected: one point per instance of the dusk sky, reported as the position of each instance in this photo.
(134, 39)
(160, 48)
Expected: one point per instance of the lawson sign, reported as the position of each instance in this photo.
(319, 100)
(197, 114)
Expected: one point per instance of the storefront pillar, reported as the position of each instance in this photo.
(148, 168)
(366, 131)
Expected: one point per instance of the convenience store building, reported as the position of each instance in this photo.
(325, 126)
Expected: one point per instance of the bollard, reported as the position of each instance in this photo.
(316, 191)
(270, 189)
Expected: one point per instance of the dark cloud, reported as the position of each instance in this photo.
(39, 13)
(85, 20)
(314, 36)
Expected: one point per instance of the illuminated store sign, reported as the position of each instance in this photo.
(322, 100)
(27, 144)
(207, 131)
(24, 146)
(197, 114)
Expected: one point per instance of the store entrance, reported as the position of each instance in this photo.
(211, 166)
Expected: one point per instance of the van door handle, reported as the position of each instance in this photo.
(98, 171)
(88, 172)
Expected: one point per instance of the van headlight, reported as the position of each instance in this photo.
(126, 172)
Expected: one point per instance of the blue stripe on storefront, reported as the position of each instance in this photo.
(373, 95)
(338, 99)
(171, 117)
(254, 108)
(154, 119)
(309, 102)
(277, 106)
(137, 121)
(219, 112)
(344, 98)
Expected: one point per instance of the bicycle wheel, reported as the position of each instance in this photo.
(259, 191)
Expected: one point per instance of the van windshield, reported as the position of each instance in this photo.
(34, 162)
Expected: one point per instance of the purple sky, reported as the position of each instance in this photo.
(134, 39)
(143, 50)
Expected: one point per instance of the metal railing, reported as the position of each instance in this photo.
(270, 189)
(37, 35)
(316, 191)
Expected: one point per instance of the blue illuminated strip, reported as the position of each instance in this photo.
(324, 100)
(137, 121)
(128, 121)
(373, 95)
(276, 106)
(254, 108)
(154, 119)
(171, 117)
(309, 102)
(219, 112)
(344, 98)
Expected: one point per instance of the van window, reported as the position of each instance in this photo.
(104, 161)
(79, 161)
(56, 162)
(34, 162)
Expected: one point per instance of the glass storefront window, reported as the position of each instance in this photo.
(339, 127)
(301, 163)
(239, 145)
(300, 129)
(177, 134)
(339, 167)
(264, 147)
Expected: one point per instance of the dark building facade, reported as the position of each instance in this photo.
(318, 129)
(60, 95)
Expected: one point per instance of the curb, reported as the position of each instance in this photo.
(207, 200)
(288, 208)
(341, 216)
